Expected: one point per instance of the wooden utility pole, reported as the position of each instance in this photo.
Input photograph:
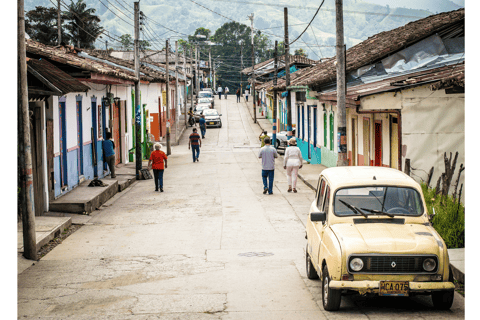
(288, 99)
(210, 65)
(59, 23)
(176, 91)
(191, 81)
(341, 85)
(185, 83)
(197, 78)
(275, 65)
(138, 124)
(241, 68)
(253, 75)
(25, 166)
(167, 53)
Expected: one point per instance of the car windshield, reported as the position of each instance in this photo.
(210, 112)
(377, 200)
(203, 100)
(200, 108)
(204, 95)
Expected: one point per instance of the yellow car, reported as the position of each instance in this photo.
(368, 231)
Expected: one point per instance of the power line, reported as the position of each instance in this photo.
(321, 4)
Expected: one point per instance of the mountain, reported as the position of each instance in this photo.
(362, 19)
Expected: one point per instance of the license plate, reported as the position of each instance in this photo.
(211, 123)
(394, 288)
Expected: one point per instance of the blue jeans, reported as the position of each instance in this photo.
(197, 150)
(238, 98)
(269, 174)
(203, 130)
(220, 95)
(158, 177)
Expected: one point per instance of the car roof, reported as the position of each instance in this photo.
(363, 175)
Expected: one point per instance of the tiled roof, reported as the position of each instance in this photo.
(377, 47)
(293, 59)
(57, 77)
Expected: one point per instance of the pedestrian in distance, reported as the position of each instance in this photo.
(203, 127)
(262, 137)
(238, 95)
(268, 155)
(196, 143)
(158, 162)
(246, 95)
(292, 161)
(109, 152)
(226, 91)
(219, 92)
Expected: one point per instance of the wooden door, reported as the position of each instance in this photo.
(116, 131)
(394, 143)
(366, 141)
(354, 142)
(123, 130)
(378, 143)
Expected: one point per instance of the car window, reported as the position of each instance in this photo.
(327, 200)
(210, 113)
(204, 94)
(203, 100)
(321, 194)
(395, 200)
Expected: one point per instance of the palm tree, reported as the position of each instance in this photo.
(83, 26)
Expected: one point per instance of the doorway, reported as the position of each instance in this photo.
(378, 143)
(366, 141)
(93, 133)
(309, 131)
(63, 144)
(354, 142)
(394, 142)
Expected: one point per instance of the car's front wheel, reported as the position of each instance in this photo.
(311, 272)
(331, 298)
(443, 300)
(277, 144)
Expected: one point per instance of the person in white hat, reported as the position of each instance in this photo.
(292, 161)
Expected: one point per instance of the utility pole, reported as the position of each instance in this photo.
(197, 78)
(24, 151)
(275, 64)
(176, 91)
(191, 81)
(185, 83)
(253, 75)
(59, 23)
(210, 64)
(167, 53)
(138, 127)
(241, 68)
(288, 100)
(341, 86)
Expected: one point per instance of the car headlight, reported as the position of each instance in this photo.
(356, 264)
(429, 264)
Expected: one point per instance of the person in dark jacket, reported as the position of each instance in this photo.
(109, 151)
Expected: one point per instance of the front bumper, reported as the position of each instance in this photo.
(213, 123)
(365, 286)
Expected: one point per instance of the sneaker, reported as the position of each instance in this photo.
(265, 190)
(161, 189)
(198, 160)
(289, 189)
(270, 193)
(156, 189)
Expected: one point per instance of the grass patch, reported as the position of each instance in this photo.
(447, 217)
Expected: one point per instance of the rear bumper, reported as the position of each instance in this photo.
(373, 286)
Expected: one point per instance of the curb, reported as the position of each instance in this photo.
(306, 182)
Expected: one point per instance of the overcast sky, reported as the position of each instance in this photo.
(431, 5)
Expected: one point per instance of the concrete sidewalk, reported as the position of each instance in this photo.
(309, 175)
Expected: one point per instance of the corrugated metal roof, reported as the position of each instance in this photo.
(57, 77)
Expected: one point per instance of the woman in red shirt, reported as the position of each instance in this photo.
(156, 161)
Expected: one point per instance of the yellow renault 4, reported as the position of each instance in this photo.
(368, 231)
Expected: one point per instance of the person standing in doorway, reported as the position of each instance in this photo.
(109, 152)
(158, 162)
(268, 155)
(196, 143)
(226, 91)
(203, 127)
(292, 161)
(238, 95)
(219, 92)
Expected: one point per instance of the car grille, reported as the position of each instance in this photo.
(393, 264)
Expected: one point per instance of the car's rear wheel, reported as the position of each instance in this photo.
(331, 298)
(443, 300)
(277, 144)
(311, 272)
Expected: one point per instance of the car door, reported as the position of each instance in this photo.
(323, 227)
(314, 229)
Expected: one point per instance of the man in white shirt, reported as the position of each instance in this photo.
(219, 92)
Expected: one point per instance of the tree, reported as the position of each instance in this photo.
(144, 45)
(84, 25)
(41, 25)
(301, 52)
(127, 42)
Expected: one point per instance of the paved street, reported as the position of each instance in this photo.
(212, 246)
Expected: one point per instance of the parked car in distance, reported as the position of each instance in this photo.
(198, 111)
(204, 101)
(368, 232)
(212, 118)
(281, 139)
(206, 94)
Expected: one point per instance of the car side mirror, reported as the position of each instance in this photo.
(318, 216)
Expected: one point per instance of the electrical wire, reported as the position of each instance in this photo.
(321, 4)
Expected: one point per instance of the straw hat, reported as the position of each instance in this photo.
(292, 142)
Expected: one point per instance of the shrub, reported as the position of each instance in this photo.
(449, 218)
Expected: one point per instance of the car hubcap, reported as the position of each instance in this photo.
(325, 290)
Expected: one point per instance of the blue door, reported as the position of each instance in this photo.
(79, 135)
(94, 137)
(63, 143)
(309, 130)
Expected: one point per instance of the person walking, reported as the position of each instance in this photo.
(158, 162)
(226, 91)
(292, 161)
(203, 127)
(268, 155)
(246, 95)
(238, 95)
(109, 152)
(196, 143)
(262, 137)
(219, 92)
